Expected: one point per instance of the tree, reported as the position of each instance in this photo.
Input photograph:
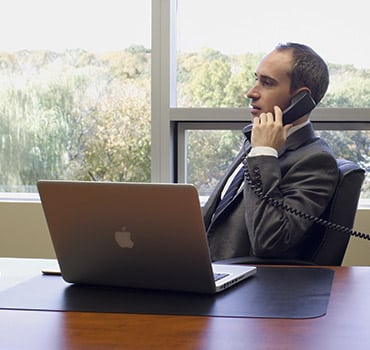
(118, 148)
(56, 110)
(207, 82)
(80, 115)
(211, 151)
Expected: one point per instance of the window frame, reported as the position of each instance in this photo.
(169, 123)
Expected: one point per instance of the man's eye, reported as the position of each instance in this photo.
(266, 82)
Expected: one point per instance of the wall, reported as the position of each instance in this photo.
(358, 251)
(24, 233)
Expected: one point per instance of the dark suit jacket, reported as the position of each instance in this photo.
(304, 176)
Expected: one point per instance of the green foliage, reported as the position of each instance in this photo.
(209, 154)
(353, 145)
(349, 87)
(211, 79)
(79, 115)
(121, 150)
(208, 79)
(73, 115)
(211, 151)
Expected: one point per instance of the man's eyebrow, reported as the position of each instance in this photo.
(265, 77)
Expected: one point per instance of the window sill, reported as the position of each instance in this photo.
(12, 197)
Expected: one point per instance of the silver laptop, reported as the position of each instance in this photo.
(136, 235)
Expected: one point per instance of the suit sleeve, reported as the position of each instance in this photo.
(307, 186)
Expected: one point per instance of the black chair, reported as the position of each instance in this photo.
(341, 211)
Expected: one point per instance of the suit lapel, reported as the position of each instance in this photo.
(298, 139)
(294, 141)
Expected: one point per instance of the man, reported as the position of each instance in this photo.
(287, 162)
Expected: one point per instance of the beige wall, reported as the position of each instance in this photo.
(24, 233)
(358, 251)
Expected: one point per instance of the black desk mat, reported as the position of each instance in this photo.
(274, 292)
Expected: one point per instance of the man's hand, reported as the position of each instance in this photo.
(269, 131)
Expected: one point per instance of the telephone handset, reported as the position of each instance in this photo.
(300, 105)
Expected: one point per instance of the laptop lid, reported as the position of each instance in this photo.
(136, 235)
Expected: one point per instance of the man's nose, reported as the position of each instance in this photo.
(252, 93)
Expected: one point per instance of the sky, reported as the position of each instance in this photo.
(337, 30)
(60, 24)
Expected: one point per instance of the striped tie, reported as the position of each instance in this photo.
(238, 179)
(231, 191)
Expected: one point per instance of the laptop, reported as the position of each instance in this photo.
(138, 235)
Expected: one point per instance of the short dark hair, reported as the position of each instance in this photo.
(309, 70)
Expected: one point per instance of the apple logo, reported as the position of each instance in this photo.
(123, 238)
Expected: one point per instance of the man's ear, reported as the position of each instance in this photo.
(303, 88)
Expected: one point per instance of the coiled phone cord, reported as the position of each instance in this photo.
(257, 189)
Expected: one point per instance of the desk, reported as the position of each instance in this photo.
(346, 325)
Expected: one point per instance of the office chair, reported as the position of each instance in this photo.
(341, 211)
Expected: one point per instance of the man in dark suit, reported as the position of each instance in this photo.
(287, 162)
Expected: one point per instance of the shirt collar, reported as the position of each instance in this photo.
(297, 127)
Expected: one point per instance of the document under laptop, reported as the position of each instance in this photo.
(137, 235)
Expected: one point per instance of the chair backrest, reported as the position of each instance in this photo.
(342, 211)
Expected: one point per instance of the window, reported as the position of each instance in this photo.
(74, 91)
(218, 46)
(220, 43)
(119, 90)
(209, 149)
